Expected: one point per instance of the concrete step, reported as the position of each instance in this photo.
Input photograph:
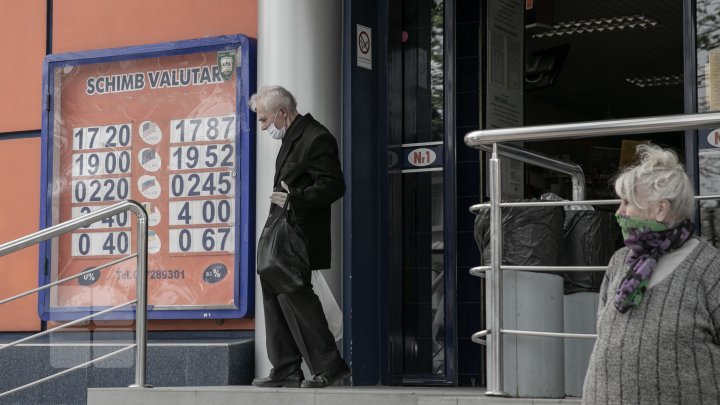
(299, 396)
(191, 361)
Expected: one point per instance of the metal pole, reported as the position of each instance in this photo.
(495, 340)
(141, 311)
(664, 123)
(550, 334)
(71, 225)
(538, 159)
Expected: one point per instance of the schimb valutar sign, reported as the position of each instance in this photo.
(168, 126)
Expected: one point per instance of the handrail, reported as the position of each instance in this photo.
(494, 272)
(538, 159)
(550, 334)
(140, 301)
(477, 337)
(664, 123)
(71, 225)
(65, 325)
(495, 380)
(475, 271)
(58, 282)
(476, 207)
(69, 370)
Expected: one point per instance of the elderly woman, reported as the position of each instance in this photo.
(658, 320)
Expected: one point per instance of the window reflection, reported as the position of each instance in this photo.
(422, 208)
(708, 89)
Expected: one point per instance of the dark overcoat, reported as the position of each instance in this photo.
(308, 163)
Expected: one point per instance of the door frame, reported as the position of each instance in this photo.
(393, 333)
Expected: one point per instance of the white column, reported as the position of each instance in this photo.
(298, 48)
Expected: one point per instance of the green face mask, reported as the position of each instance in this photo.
(628, 223)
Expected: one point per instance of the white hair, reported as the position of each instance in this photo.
(659, 176)
(273, 98)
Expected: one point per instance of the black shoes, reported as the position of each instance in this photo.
(291, 380)
(322, 380)
(296, 379)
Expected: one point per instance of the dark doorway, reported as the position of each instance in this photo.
(421, 346)
(588, 61)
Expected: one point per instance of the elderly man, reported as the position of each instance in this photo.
(308, 174)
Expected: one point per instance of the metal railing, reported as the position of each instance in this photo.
(481, 140)
(541, 160)
(141, 300)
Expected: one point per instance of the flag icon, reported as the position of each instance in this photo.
(148, 155)
(153, 242)
(150, 132)
(147, 184)
(149, 128)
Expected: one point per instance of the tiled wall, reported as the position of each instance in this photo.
(470, 311)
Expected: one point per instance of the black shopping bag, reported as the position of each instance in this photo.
(283, 263)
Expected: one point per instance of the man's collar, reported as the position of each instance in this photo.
(295, 126)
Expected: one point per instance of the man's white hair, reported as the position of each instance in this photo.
(273, 97)
(659, 176)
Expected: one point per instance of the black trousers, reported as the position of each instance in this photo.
(296, 329)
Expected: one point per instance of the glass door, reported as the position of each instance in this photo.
(417, 150)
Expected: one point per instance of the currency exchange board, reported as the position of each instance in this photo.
(168, 126)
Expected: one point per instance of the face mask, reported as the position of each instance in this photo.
(274, 131)
(627, 224)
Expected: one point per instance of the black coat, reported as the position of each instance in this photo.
(308, 163)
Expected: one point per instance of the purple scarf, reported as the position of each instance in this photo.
(646, 247)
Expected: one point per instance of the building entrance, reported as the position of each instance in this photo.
(418, 330)
(570, 61)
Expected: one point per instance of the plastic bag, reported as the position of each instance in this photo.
(532, 236)
(589, 239)
(283, 262)
(329, 305)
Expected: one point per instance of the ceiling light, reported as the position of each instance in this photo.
(598, 24)
(656, 81)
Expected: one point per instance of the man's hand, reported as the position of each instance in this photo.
(278, 197)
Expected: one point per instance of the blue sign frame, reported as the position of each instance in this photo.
(244, 288)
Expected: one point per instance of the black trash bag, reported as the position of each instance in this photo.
(532, 236)
(589, 239)
(283, 262)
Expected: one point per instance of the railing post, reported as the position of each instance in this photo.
(141, 310)
(495, 339)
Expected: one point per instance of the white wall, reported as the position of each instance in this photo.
(298, 48)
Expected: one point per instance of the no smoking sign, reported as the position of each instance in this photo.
(363, 42)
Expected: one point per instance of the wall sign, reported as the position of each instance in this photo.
(363, 45)
(421, 157)
(166, 125)
(712, 139)
(505, 79)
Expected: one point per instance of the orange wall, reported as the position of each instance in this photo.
(20, 215)
(78, 25)
(96, 24)
(22, 46)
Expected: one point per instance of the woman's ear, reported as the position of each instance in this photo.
(663, 211)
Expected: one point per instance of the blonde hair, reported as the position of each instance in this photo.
(659, 176)
(272, 98)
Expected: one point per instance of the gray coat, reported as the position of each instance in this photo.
(666, 350)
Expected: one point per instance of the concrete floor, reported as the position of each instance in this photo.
(299, 396)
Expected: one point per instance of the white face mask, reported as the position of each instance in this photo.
(274, 131)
